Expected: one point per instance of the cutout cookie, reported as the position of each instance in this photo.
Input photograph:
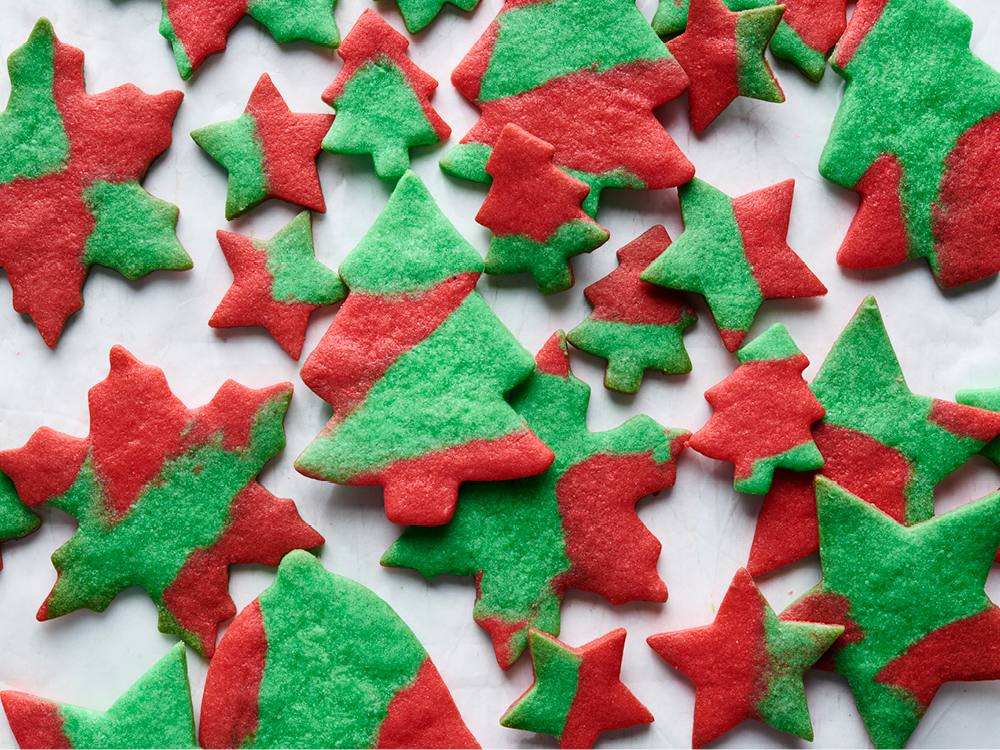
(16, 520)
(574, 527)
(417, 14)
(367, 681)
(416, 366)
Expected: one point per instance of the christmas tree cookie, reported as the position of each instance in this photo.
(722, 51)
(268, 151)
(165, 498)
(916, 136)
(911, 602)
(988, 398)
(533, 210)
(416, 366)
(197, 29)
(879, 440)
(382, 100)
(577, 693)
(808, 30)
(277, 284)
(574, 527)
(16, 520)
(583, 75)
(763, 414)
(747, 664)
(734, 253)
(367, 681)
(417, 14)
(635, 325)
(154, 713)
(70, 193)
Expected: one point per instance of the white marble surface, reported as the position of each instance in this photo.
(945, 341)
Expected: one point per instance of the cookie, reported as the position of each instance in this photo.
(722, 52)
(911, 602)
(382, 100)
(583, 75)
(879, 440)
(735, 254)
(636, 326)
(165, 498)
(533, 210)
(197, 29)
(916, 137)
(154, 713)
(367, 681)
(807, 33)
(70, 193)
(987, 398)
(763, 414)
(16, 521)
(417, 14)
(415, 366)
(747, 664)
(268, 151)
(574, 527)
(277, 284)
(577, 693)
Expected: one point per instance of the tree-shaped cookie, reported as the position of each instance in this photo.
(320, 661)
(166, 498)
(574, 527)
(879, 440)
(268, 151)
(747, 664)
(70, 170)
(763, 414)
(734, 253)
(635, 325)
(911, 601)
(577, 693)
(416, 366)
(16, 520)
(808, 30)
(722, 51)
(583, 75)
(417, 14)
(916, 136)
(277, 284)
(533, 210)
(382, 100)
(197, 29)
(154, 713)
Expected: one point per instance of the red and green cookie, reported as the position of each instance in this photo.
(417, 14)
(747, 664)
(722, 52)
(382, 100)
(16, 520)
(165, 498)
(154, 713)
(734, 253)
(277, 283)
(268, 151)
(583, 75)
(574, 527)
(320, 661)
(763, 414)
(911, 602)
(808, 31)
(916, 136)
(197, 29)
(533, 210)
(416, 367)
(879, 440)
(987, 398)
(636, 326)
(70, 193)
(577, 693)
